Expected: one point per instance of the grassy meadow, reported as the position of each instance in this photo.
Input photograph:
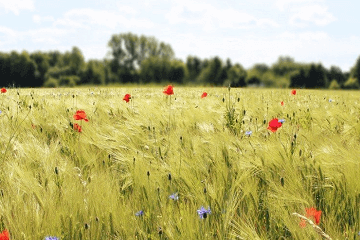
(141, 170)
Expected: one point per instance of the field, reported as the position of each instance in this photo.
(143, 169)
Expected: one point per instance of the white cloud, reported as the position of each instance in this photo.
(312, 14)
(126, 9)
(282, 4)
(43, 35)
(86, 17)
(39, 19)
(211, 17)
(16, 5)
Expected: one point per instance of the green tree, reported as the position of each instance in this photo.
(177, 71)
(212, 73)
(22, 70)
(94, 73)
(193, 65)
(42, 66)
(316, 77)
(128, 51)
(236, 76)
(335, 73)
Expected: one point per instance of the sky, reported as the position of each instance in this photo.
(246, 31)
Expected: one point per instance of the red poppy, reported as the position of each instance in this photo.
(293, 92)
(3, 90)
(80, 115)
(282, 103)
(4, 235)
(204, 95)
(77, 127)
(127, 98)
(274, 125)
(168, 90)
(311, 213)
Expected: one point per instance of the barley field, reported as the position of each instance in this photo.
(179, 166)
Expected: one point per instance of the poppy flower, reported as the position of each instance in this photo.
(282, 103)
(3, 90)
(77, 127)
(311, 213)
(204, 95)
(4, 235)
(169, 90)
(127, 98)
(293, 92)
(80, 115)
(274, 125)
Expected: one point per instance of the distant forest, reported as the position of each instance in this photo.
(134, 59)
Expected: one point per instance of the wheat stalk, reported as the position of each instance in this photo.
(316, 228)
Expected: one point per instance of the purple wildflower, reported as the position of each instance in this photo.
(281, 120)
(174, 196)
(139, 213)
(248, 133)
(203, 212)
(51, 238)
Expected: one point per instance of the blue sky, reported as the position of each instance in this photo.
(246, 31)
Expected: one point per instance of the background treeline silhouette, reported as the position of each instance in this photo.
(134, 59)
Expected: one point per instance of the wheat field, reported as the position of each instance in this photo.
(144, 169)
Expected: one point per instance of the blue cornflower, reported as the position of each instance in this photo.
(0, 111)
(248, 133)
(203, 212)
(174, 196)
(51, 238)
(330, 100)
(281, 120)
(139, 213)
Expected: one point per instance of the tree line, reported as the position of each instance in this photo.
(143, 59)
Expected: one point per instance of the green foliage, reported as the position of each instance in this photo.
(236, 76)
(70, 81)
(352, 83)
(94, 73)
(355, 71)
(212, 72)
(51, 83)
(334, 84)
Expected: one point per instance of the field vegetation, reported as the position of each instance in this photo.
(144, 169)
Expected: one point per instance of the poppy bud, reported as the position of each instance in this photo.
(89, 179)
(109, 156)
(264, 121)
(223, 99)
(73, 96)
(204, 190)
(97, 219)
(236, 120)
(181, 138)
(282, 181)
(160, 231)
(148, 173)
(134, 159)
(56, 170)
(244, 111)
(300, 152)
(87, 226)
(238, 99)
(169, 176)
